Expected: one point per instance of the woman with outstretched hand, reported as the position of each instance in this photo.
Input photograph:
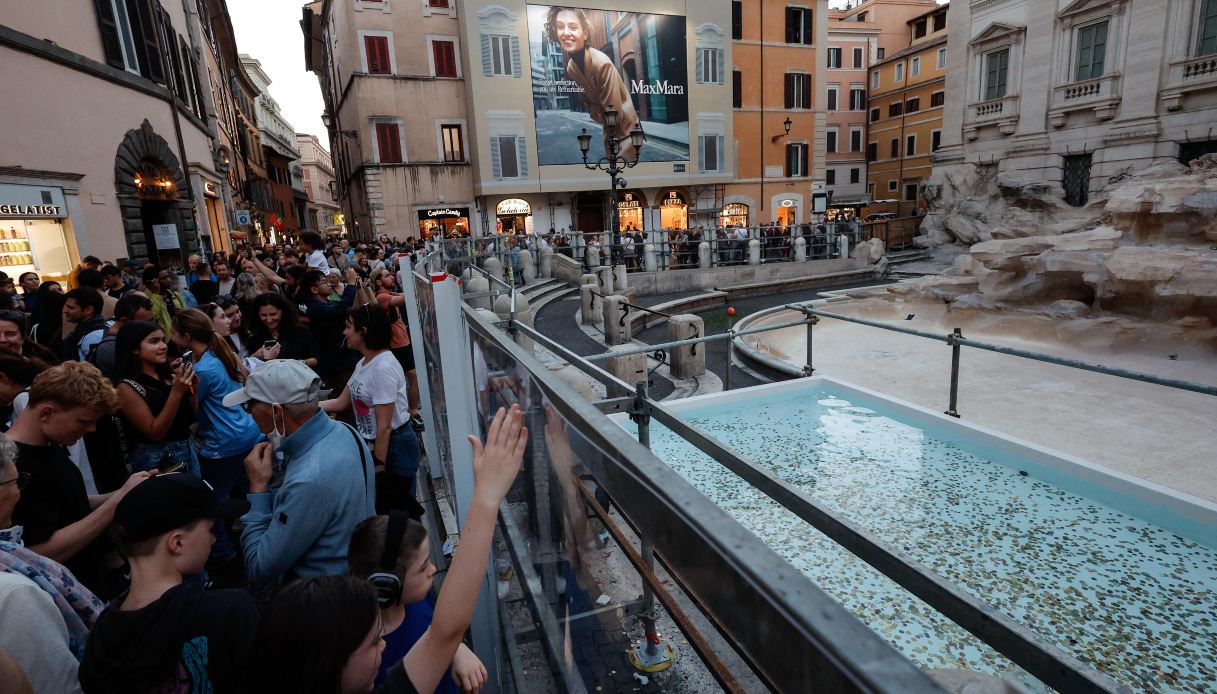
(323, 634)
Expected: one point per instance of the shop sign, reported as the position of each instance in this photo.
(443, 213)
(31, 210)
(165, 236)
(673, 198)
(513, 206)
(628, 201)
(29, 202)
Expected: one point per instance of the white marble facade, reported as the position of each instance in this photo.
(1150, 88)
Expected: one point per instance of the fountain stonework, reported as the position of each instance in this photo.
(1144, 249)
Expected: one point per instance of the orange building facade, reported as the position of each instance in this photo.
(778, 50)
(852, 46)
(905, 110)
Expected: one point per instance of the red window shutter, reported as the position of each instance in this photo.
(377, 50)
(388, 143)
(444, 53)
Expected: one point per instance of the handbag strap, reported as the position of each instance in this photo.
(363, 460)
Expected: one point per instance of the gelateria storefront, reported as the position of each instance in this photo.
(33, 236)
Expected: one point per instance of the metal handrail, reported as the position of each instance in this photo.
(627, 304)
(955, 338)
(1042, 659)
(795, 634)
(692, 341)
(488, 276)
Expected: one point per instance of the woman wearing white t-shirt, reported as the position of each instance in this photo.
(379, 397)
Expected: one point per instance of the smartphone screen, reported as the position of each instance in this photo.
(170, 466)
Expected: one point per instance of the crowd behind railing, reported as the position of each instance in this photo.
(207, 480)
(679, 249)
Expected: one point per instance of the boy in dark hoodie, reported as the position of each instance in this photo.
(164, 635)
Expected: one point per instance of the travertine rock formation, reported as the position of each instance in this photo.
(1145, 248)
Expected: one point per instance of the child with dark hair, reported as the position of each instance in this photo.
(47, 324)
(154, 397)
(397, 546)
(277, 333)
(17, 374)
(378, 395)
(132, 307)
(323, 634)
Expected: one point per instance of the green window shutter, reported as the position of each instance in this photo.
(522, 156)
(1206, 40)
(516, 65)
(1092, 51)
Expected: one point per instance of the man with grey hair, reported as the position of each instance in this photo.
(328, 482)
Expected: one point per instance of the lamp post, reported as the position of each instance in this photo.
(613, 163)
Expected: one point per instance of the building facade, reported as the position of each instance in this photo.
(538, 78)
(317, 173)
(778, 75)
(469, 124)
(109, 150)
(278, 139)
(852, 46)
(392, 75)
(1056, 92)
(888, 17)
(905, 110)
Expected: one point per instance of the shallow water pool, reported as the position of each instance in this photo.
(1131, 598)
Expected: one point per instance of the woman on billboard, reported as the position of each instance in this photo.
(593, 71)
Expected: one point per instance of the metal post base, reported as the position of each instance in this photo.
(650, 657)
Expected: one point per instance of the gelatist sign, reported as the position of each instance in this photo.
(31, 202)
(26, 211)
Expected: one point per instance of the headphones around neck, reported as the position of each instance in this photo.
(386, 581)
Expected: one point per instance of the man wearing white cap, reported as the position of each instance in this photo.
(301, 527)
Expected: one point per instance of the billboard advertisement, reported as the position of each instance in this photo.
(585, 62)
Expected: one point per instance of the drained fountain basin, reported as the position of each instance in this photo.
(1118, 572)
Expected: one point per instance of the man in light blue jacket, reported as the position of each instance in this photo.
(300, 526)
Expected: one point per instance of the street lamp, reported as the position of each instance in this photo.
(613, 163)
(785, 124)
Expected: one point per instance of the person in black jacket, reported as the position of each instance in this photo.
(326, 320)
(82, 306)
(278, 334)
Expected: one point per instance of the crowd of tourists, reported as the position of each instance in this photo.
(675, 249)
(208, 481)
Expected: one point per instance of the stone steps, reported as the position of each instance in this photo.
(538, 287)
(556, 294)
